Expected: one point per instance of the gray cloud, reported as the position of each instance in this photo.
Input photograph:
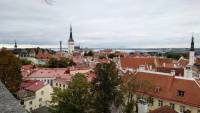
(101, 23)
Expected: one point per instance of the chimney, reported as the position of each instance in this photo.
(188, 72)
(142, 106)
(173, 72)
(141, 67)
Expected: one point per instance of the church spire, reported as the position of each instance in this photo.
(192, 44)
(15, 45)
(71, 37)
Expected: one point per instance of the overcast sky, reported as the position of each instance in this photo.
(100, 23)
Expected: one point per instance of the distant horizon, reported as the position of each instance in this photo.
(101, 24)
(11, 46)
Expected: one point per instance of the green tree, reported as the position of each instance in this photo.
(52, 63)
(106, 87)
(62, 63)
(25, 61)
(90, 53)
(10, 70)
(76, 98)
(112, 55)
(173, 55)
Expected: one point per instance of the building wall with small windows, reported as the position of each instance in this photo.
(42, 98)
(62, 85)
(157, 103)
(46, 80)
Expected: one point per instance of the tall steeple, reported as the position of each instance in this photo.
(71, 42)
(192, 53)
(71, 37)
(15, 45)
(192, 44)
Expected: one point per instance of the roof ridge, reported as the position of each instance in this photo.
(197, 83)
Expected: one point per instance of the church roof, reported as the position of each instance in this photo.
(71, 37)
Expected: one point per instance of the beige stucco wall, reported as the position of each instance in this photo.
(40, 99)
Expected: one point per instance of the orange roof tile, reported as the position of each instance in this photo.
(163, 109)
(169, 85)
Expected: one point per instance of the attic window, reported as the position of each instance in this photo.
(180, 93)
(157, 89)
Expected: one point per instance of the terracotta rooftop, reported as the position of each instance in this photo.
(183, 62)
(135, 62)
(178, 71)
(50, 72)
(32, 85)
(163, 109)
(169, 87)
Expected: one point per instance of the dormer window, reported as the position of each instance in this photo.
(180, 93)
(157, 89)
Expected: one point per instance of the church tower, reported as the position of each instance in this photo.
(188, 73)
(70, 42)
(192, 53)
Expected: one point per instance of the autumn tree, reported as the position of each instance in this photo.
(77, 98)
(10, 70)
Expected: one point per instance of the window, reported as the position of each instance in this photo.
(31, 108)
(172, 105)
(40, 105)
(160, 103)
(182, 109)
(40, 99)
(56, 84)
(150, 100)
(63, 85)
(30, 103)
(22, 102)
(198, 111)
(42, 92)
(157, 89)
(180, 93)
(60, 85)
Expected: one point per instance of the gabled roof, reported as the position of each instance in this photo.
(163, 109)
(183, 62)
(168, 87)
(178, 71)
(50, 73)
(32, 85)
(135, 62)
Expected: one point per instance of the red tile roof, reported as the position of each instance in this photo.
(32, 85)
(163, 109)
(50, 73)
(135, 62)
(169, 85)
(183, 62)
(178, 71)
